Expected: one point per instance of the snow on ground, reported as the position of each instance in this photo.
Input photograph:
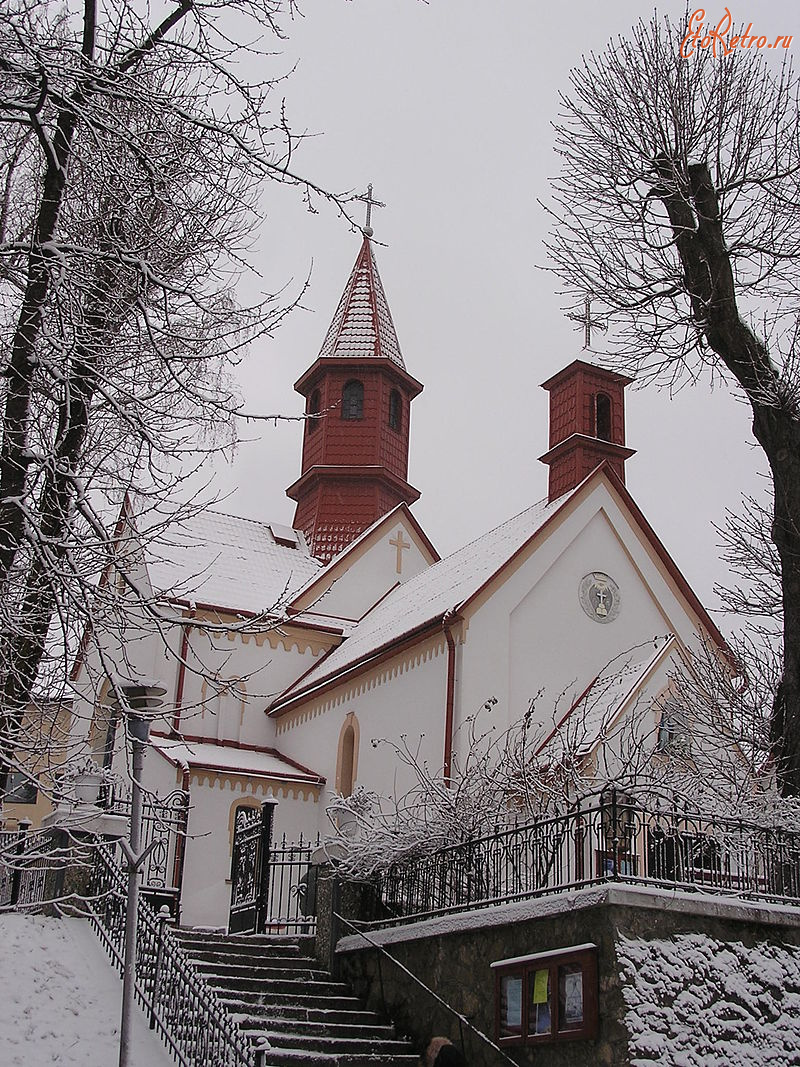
(60, 1000)
(694, 1001)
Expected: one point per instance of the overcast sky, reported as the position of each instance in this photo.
(446, 108)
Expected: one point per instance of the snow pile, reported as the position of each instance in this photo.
(694, 1001)
(61, 999)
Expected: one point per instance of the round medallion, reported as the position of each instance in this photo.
(599, 596)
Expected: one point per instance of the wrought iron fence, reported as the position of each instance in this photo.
(28, 860)
(164, 821)
(291, 907)
(607, 837)
(181, 1005)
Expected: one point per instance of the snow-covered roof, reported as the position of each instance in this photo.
(228, 562)
(328, 573)
(594, 713)
(262, 763)
(428, 595)
(362, 326)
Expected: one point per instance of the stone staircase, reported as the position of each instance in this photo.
(275, 988)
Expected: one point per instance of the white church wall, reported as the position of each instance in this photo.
(214, 799)
(403, 696)
(530, 633)
(154, 658)
(394, 557)
(231, 677)
(553, 642)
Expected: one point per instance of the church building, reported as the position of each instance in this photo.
(285, 652)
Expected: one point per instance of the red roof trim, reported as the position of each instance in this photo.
(191, 739)
(402, 641)
(605, 469)
(386, 651)
(570, 369)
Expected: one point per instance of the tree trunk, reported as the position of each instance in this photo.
(778, 432)
(693, 208)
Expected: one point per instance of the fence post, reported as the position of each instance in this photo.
(163, 916)
(16, 876)
(262, 873)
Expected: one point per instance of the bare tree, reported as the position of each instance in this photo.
(677, 207)
(132, 154)
(699, 747)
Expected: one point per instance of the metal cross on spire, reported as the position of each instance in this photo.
(367, 198)
(587, 321)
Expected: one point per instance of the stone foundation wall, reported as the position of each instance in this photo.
(452, 955)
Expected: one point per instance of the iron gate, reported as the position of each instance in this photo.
(273, 884)
(252, 832)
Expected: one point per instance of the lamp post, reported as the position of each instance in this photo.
(140, 701)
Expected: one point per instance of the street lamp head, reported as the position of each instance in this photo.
(141, 701)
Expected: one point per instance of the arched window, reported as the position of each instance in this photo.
(347, 757)
(395, 410)
(348, 761)
(313, 409)
(353, 400)
(602, 416)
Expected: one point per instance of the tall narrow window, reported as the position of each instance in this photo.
(602, 417)
(353, 400)
(348, 761)
(395, 410)
(313, 409)
(347, 756)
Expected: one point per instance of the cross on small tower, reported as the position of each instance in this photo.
(367, 198)
(400, 543)
(587, 321)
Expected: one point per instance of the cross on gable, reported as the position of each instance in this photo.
(400, 544)
(368, 199)
(586, 319)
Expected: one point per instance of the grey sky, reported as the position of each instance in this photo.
(446, 107)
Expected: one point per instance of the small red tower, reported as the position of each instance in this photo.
(355, 454)
(587, 424)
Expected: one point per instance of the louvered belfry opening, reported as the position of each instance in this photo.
(355, 460)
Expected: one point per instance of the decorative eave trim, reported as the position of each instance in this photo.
(386, 651)
(581, 364)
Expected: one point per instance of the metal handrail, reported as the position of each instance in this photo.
(181, 1005)
(462, 1019)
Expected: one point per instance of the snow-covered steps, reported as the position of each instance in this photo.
(275, 989)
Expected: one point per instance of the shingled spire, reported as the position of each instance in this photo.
(362, 326)
(355, 451)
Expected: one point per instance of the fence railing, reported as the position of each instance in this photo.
(164, 825)
(608, 837)
(181, 1005)
(291, 893)
(28, 862)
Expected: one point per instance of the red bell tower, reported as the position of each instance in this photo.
(355, 453)
(587, 424)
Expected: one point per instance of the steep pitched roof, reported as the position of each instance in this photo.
(224, 561)
(362, 327)
(430, 594)
(458, 579)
